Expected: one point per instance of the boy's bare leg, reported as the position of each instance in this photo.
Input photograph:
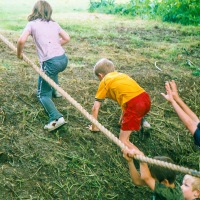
(124, 138)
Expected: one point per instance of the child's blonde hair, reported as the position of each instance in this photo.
(195, 182)
(104, 66)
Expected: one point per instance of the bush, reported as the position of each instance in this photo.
(133, 8)
(179, 11)
(99, 5)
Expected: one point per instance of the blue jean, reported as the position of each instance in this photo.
(51, 68)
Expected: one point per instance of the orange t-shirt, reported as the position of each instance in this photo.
(118, 87)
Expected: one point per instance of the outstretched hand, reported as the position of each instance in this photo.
(171, 90)
(174, 89)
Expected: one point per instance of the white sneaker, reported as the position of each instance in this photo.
(56, 94)
(55, 124)
(146, 124)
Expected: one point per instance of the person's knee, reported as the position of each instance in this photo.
(45, 94)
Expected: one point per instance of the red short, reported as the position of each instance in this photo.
(135, 110)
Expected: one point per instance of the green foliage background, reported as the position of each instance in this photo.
(186, 12)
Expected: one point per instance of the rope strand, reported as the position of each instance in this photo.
(112, 137)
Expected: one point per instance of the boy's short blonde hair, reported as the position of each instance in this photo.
(104, 66)
(195, 182)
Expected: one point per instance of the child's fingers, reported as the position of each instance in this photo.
(126, 155)
(166, 84)
(168, 87)
(132, 152)
(164, 95)
(126, 152)
(173, 86)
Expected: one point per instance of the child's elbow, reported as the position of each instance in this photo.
(145, 178)
(66, 39)
(139, 182)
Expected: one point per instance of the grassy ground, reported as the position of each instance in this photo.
(73, 163)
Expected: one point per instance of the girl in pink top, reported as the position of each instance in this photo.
(48, 37)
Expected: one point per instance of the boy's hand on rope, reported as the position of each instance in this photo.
(93, 128)
(129, 154)
(126, 155)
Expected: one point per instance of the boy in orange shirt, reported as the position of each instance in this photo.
(134, 101)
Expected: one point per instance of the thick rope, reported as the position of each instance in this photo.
(95, 122)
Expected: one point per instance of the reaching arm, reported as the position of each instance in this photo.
(189, 119)
(146, 175)
(135, 176)
(95, 111)
(145, 178)
(21, 42)
(181, 103)
(65, 38)
(187, 110)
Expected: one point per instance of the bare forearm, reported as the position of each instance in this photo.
(95, 111)
(21, 42)
(19, 50)
(144, 170)
(146, 175)
(63, 42)
(185, 118)
(135, 176)
(65, 38)
(186, 109)
(95, 115)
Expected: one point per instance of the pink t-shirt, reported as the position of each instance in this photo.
(46, 37)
